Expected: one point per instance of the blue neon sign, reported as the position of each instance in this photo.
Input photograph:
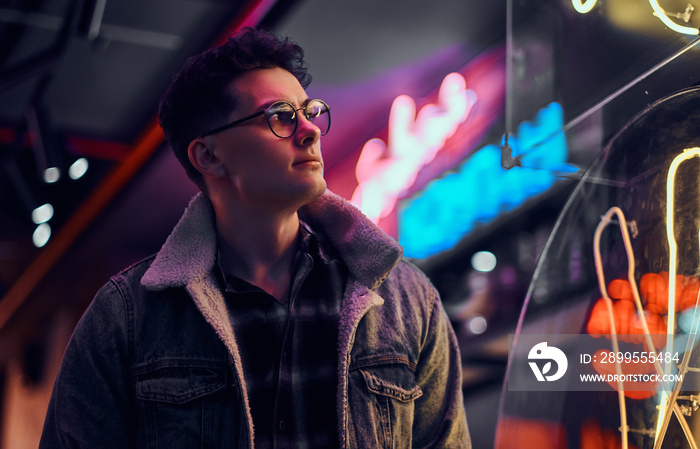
(450, 207)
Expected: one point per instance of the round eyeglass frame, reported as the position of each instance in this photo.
(267, 112)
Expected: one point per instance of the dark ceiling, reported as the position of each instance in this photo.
(106, 62)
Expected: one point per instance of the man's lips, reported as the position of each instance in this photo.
(308, 161)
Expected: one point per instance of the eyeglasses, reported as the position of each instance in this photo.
(282, 118)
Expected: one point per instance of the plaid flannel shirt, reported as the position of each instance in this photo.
(289, 351)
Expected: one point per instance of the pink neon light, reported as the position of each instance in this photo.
(384, 172)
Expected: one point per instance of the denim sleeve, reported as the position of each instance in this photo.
(440, 416)
(92, 400)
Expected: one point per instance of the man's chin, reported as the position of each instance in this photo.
(303, 194)
(318, 190)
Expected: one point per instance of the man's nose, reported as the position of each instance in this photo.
(307, 133)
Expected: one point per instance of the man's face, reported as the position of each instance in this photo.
(262, 168)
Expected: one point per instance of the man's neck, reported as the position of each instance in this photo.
(259, 247)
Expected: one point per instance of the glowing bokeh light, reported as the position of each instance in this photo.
(41, 235)
(477, 325)
(52, 175)
(484, 261)
(42, 214)
(78, 168)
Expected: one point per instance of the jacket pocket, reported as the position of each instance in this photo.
(179, 385)
(186, 405)
(382, 408)
(407, 392)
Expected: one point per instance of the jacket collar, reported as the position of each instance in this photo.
(189, 253)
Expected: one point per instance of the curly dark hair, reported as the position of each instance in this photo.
(197, 99)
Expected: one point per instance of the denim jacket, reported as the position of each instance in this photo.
(153, 362)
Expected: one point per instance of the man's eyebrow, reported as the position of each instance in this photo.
(269, 103)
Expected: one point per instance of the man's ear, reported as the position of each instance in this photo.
(202, 157)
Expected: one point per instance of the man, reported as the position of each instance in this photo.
(275, 314)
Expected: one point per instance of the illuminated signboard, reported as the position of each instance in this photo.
(385, 171)
(480, 189)
(388, 171)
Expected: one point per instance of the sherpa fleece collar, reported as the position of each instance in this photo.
(189, 253)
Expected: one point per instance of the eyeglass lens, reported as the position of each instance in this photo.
(282, 117)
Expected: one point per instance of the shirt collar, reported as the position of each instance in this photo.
(310, 243)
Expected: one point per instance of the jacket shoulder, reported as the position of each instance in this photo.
(135, 271)
(126, 282)
(408, 274)
(407, 284)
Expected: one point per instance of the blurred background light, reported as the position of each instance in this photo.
(478, 325)
(484, 261)
(41, 235)
(52, 175)
(42, 214)
(78, 168)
